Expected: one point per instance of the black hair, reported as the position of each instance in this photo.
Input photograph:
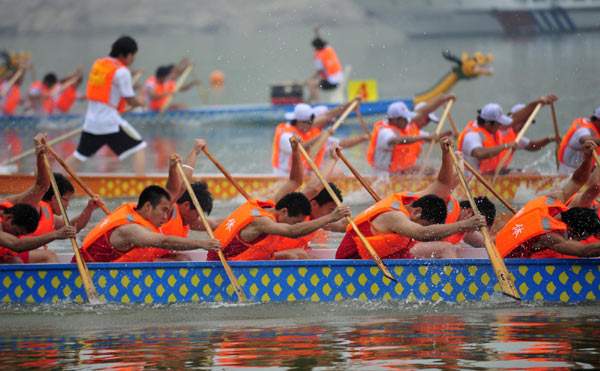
(123, 46)
(50, 79)
(202, 194)
(64, 187)
(318, 43)
(24, 216)
(296, 204)
(582, 222)
(485, 206)
(433, 208)
(594, 118)
(153, 194)
(323, 197)
(164, 71)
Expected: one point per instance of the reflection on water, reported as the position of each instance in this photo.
(287, 336)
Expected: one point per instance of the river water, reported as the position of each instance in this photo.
(300, 336)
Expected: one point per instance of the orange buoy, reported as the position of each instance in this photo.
(217, 79)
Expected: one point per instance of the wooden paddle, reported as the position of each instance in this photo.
(325, 134)
(505, 279)
(204, 220)
(76, 178)
(226, 174)
(437, 131)
(556, 134)
(338, 203)
(489, 187)
(178, 84)
(453, 125)
(90, 289)
(508, 154)
(52, 142)
(357, 175)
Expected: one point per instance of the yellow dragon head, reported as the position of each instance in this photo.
(11, 61)
(470, 66)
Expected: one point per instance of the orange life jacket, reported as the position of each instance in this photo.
(507, 136)
(329, 60)
(388, 243)
(168, 86)
(285, 127)
(66, 99)
(487, 165)
(452, 216)
(11, 100)
(45, 95)
(46, 223)
(124, 214)
(577, 124)
(404, 156)
(100, 79)
(239, 219)
(536, 218)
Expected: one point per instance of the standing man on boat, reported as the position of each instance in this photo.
(109, 83)
(571, 151)
(329, 71)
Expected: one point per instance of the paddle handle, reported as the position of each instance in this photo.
(52, 142)
(226, 174)
(437, 131)
(357, 175)
(204, 220)
(489, 187)
(338, 203)
(504, 278)
(556, 133)
(178, 85)
(455, 130)
(316, 147)
(90, 289)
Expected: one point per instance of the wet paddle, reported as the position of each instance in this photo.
(489, 187)
(90, 289)
(325, 134)
(455, 130)
(52, 142)
(505, 279)
(507, 155)
(178, 84)
(357, 175)
(338, 203)
(556, 134)
(437, 131)
(204, 220)
(226, 174)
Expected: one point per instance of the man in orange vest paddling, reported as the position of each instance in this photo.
(160, 86)
(109, 88)
(329, 71)
(570, 152)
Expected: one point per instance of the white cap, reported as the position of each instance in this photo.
(493, 112)
(320, 110)
(516, 108)
(597, 112)
(302, 112)
(399, 109)
(432, 116)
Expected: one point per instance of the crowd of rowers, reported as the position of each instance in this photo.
(431, 223)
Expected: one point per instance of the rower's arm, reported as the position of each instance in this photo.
(296, 174)
(580, 176)
(398, 140)
(587, 197)
(354, 140)
(34, 194)
(422, 118)
(266, 225)
(82, 219)
(520, 117)
(124, 237)
(29, 243)
(482, 153)
(400, 224)
(339, 226)
(570, 247)
(322, 120)
(446, 179)
(536, 145)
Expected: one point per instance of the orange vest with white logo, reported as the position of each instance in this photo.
(124, 214)
(404, 156)
(285, 127)
(487, 165)
(67, 99)
(11, 100)
(329, 60)
(159, 88)
(536, 218)
(452, 216)
(388, 243)
(100, 79)
(45, 95)
(577, 124)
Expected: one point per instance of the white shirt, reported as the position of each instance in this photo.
(383, 151)
(573, 156)
(101, 118)
(473, 141)
(285, 153)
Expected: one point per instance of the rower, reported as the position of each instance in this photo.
(570, 152)
(18, 221)
(396, 142)
(266, 230)
(108, 82)
(134, 227)
(394, 224)
(42, 94)
(159, 87)
(547, 228)
(69, 91)
(41, 196)
(480, 142)
(10, 96)
(329, 72)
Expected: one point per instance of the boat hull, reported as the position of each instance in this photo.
(463, 280)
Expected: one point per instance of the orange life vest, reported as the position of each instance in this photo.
(285, 127)
(577, 124)
(329, 60)
(487, 165)
(11, 100)
(536, 218)
(124, 214)
(404, 156)
(66, 99)
(46, 223)
(45, 95)
(100, 79)
(159, 88)
(229, 230)
(507, 136)
(388, 243)
(452, 216)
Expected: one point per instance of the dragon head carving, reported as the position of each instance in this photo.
(11, 61)
(470, 66)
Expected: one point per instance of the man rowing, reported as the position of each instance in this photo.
(109, 88)
(395, 224)
(571, 151)
(44, 95)
(396, 142)
(161, 85)
(136, 227)
(481, 142)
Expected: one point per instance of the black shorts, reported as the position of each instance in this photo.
(121, 143)
(326, 85)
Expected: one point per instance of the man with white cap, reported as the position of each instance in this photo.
(480, 142)
(570, 150)
(396, 142)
